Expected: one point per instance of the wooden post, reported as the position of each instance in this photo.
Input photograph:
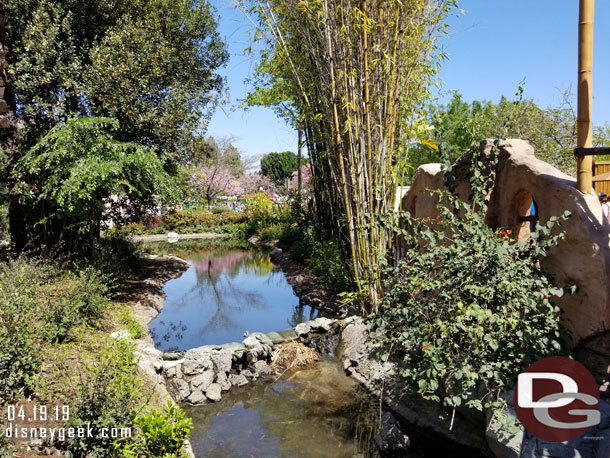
(585, 94)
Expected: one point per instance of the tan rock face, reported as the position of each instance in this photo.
(582, 258)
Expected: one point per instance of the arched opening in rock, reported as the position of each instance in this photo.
(526, 214)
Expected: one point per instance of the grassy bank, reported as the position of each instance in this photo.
(56, 351)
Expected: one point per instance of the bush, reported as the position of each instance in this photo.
(116, 256)
(324, 258)
(471, 309)
(20, 283)
(273, 232)
(131, 323)
(162, 434)
(260, 208)
(82, 303)
(107, 396)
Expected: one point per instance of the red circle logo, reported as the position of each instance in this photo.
(557, 399)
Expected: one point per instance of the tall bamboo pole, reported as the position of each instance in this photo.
(585, 93)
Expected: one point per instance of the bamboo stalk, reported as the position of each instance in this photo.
(584, 166)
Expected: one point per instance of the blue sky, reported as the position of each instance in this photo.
(491, 48)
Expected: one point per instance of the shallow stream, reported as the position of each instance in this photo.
(316, 412)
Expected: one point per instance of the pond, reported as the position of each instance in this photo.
(224, 293)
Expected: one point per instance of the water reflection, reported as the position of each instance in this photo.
(317, 412)
(225, 293)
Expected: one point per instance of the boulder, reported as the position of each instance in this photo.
(262, 338)
(203, 381)
(323, 324)
(196, 397)
(390, 438)
(275, 338)
(213, 392)
(222, 361)
(288, 335)
(223, 381)
(261, 368)
(302, 329)
(247, 373)
(179, 388)
(172, 355)
(250, 342)
(196, 361)
(238, 379)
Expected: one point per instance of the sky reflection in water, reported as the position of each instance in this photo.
(224, 293)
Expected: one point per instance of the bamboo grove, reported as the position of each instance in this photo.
(355, 73)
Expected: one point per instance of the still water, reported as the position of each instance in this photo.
(224, 293)
(313, 413)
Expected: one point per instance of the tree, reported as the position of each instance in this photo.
(212, 180)
(356, 73)
(459, 125)
(251, 183)
(68, 178)
(279, 166)
(149, 64)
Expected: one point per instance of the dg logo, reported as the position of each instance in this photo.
(557, 399)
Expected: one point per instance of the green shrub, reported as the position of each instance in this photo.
(82, 303)
(468, 307)
(20, 283)
(107, 396)
(273, 232)
(136, 331)
(324, 258)
(260, 207)
(116, 256)
(162, 434)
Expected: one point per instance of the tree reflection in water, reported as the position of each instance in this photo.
(224, 293)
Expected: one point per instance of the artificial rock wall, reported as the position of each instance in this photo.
(582, 258)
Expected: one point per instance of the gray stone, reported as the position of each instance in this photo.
(222, 361)
(390, 438)
(262, 338)
(302, 329)
(261, 368)
(258, 353)
(275, 338)
(248, 374)
(158, 365)
(196, 362)
(298, 279)
(238, 379)
(180, 388)
(500, 442)
(289, 335)
(275, 252)
(223, 381)
(251, 341)
(323, 324)
(213, 393)
(196, 397)
(233, 347)
(172, 355)
(203, 381)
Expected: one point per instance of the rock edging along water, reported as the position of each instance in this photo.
(202, 374)
(477, 433)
